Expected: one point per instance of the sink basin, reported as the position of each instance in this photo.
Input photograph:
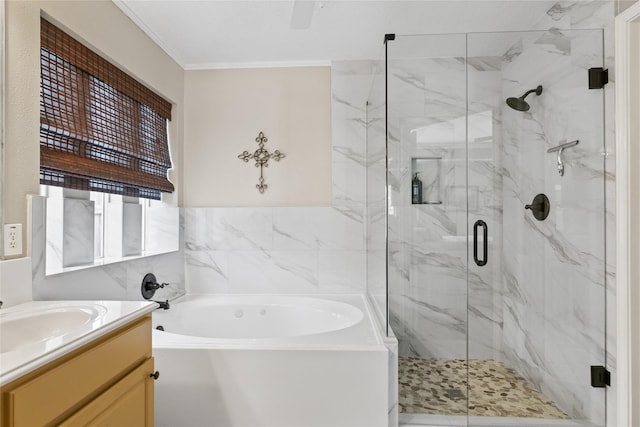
(28, 327)
(35, 333)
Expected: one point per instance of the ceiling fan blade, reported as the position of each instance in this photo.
(302, 14)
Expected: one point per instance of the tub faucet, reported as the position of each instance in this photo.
(150, 285)
(1, 304)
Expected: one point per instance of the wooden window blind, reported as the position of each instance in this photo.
(100, 129)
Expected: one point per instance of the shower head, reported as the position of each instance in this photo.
(519, 104)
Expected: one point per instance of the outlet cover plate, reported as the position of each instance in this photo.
(12, 239)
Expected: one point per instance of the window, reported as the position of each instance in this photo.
(101, 132)
(98, 223)
(100, 129)
(103, 228)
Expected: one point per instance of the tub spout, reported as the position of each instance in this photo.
(163, 304)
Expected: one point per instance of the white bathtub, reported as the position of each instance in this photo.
(248, 360)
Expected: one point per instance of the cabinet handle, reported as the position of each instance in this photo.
(155, 375)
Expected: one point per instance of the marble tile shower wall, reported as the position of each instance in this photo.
(554, 276)
(543, 298)
(484, 202)
(427, 299)
(428, 248)
(588, 15)
(293, 249)
(376, 189)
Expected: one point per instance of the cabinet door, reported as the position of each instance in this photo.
(128, 403)
(58, 389)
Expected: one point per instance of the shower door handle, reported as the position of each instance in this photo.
(485, 249)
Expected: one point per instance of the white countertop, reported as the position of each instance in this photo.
(110, 315)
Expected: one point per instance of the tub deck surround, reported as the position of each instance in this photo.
(307, 372)
(106, 316)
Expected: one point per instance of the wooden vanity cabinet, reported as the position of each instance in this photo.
(106, 382)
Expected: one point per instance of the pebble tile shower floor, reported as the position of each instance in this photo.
(432, 386)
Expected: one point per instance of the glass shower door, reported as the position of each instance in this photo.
(495, 225)
(427, 228)
(536, 307)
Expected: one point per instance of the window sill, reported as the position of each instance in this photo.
(105, 261)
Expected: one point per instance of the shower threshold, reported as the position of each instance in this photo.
(429, 420)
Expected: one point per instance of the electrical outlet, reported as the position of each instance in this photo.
(12, 239)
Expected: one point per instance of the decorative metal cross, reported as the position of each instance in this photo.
(261, 156)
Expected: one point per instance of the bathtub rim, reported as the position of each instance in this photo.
(293, 316)
(168, 340)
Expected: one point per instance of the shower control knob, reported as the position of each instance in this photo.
(155, 375)
(539, 207)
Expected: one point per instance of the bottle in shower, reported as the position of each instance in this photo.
(416, 190)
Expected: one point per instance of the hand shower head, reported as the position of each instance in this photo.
(519, 104)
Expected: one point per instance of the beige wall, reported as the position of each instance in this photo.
(622, 5)
(224, 112)
(104, 28)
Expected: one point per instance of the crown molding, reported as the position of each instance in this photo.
(265, 64)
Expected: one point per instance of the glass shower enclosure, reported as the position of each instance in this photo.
(486, 225)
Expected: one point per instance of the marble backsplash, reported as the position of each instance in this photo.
(117, 281)
(274, 250)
